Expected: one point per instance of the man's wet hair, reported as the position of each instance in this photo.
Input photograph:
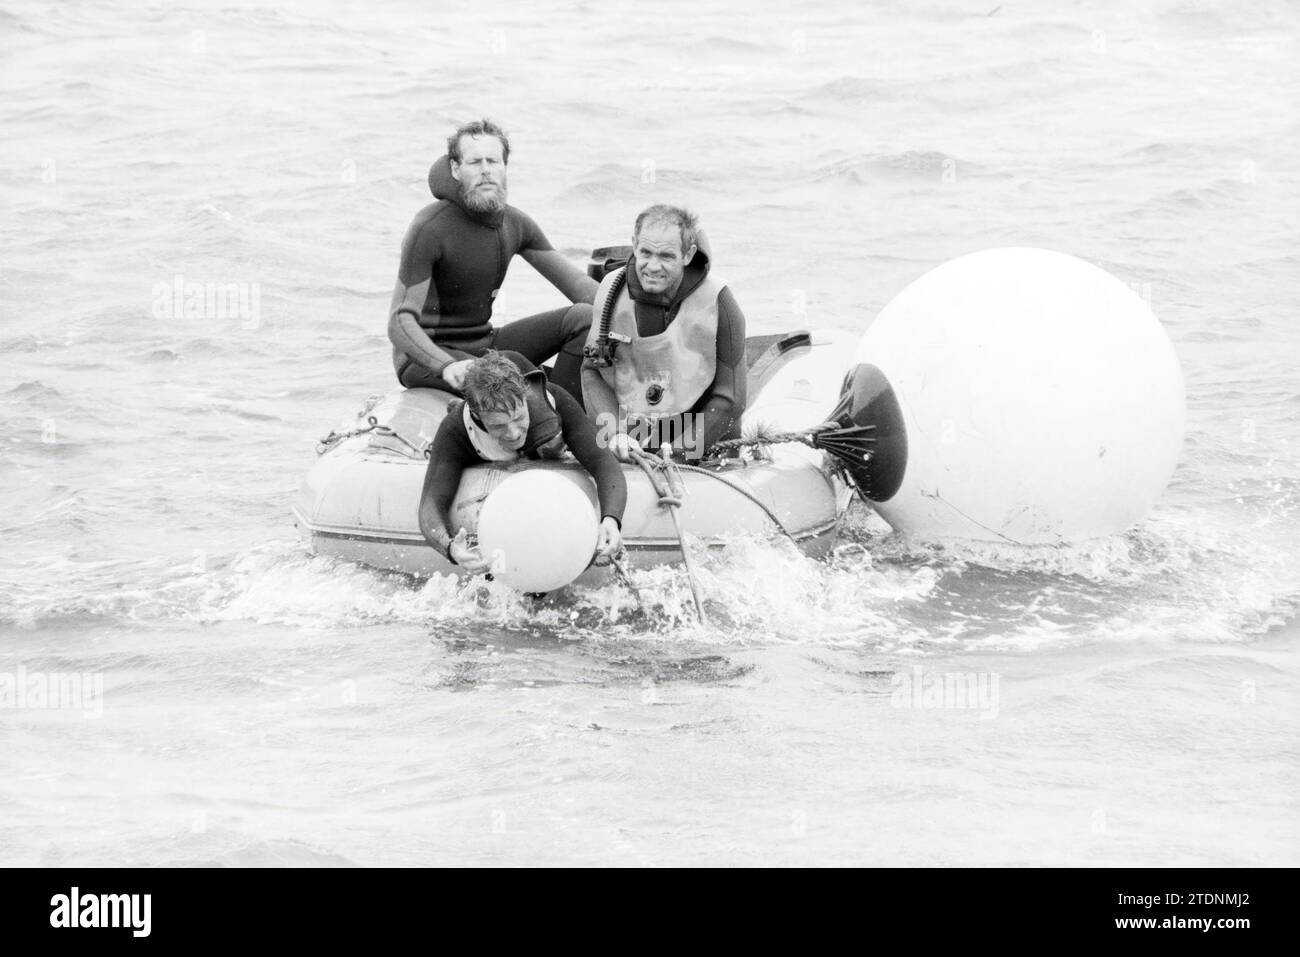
(685, 221)
(483, 127)
(493, 384)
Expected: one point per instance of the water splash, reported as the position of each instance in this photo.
(1172, 580)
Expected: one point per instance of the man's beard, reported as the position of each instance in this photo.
(483, 201)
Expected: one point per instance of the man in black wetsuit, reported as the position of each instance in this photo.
(672, 369)
(507, 415)
(454, 260)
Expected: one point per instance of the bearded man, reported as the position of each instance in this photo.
(454, 261)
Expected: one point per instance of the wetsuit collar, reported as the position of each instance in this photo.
(545, 426)
(445, 186)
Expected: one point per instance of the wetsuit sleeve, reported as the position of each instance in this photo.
(531, 237)
(555, 267)
(415, 295)
(724, 401)
(580, 437)
(602, 405)
(450, 455)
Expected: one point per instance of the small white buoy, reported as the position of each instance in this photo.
(538, 530)
(1041, 398)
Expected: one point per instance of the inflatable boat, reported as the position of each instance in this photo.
(360, 501)
(1015, 396)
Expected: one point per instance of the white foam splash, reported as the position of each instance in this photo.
(1170, 581)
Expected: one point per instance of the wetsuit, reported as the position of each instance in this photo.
(720, 408)
(453, 451)
(462, 256)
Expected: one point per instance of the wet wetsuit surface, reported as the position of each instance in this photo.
(453, 452)
(463, 255)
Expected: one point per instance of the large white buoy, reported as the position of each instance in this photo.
(1042, 400)
(538, 530)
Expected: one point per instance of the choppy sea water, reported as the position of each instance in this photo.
(262, 706)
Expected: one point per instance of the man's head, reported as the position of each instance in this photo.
(494, 392)
(479, 152)
(663, 244)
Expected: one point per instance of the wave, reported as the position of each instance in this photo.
(1173, 580)
(12, 23)
(616, 180)
(1165, 151)
(1222, 193)
(855, 90)
(24, 344)
(719, 45)
(908, 164)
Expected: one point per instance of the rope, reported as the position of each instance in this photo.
(372, 425)
(696, 470)
(846, 445)
(671, 499)
(774, 438)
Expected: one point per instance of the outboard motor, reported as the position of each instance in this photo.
(605, 259)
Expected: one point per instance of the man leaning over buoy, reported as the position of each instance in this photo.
(665, 356)
(454, 261)
(507, 415)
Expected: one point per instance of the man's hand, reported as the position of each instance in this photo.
(453, 373)
(622, 444)
(467, 556)
(610, 539)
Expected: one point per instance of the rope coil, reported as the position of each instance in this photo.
(334, 438)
